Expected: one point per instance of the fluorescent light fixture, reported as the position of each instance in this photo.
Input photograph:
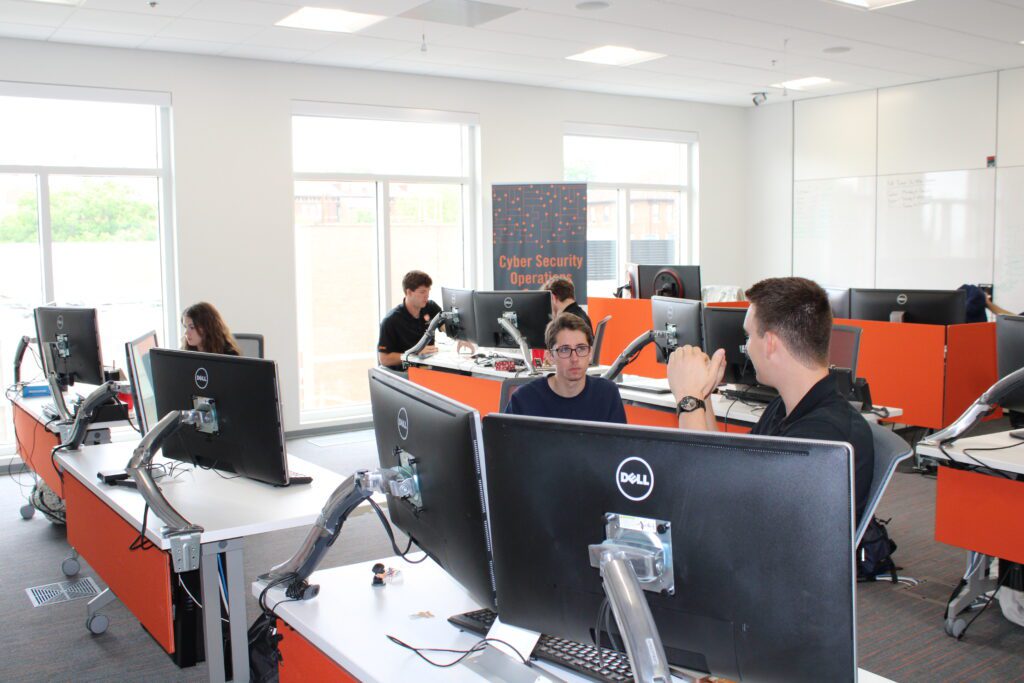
(802, 83)
(614, 55)
(872, 4)
(324, 19)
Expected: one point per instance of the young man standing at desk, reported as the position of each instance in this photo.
(563, 299)
(788, 326)
(569, 393)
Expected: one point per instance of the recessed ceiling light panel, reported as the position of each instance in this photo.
(324, 19)
(871, 4)
(802, 83)
(615, 55)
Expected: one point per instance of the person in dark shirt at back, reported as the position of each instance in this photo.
(789, 325)
(205, 330)
(563, 299)
(569, 393)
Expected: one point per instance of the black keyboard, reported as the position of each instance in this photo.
(610, 666)
(752, 394)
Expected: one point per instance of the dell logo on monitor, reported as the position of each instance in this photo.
(403, 424)
(635, 478)
(508, 302)
(202, 378)
(60, 322)
(901, 299)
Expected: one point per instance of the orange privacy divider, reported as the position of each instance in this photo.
(652, 417)
(476, 392)
(729, 304)
(141, 579)
(970, 366)
(34, 446)
(302, 661)
(980, 512)
(904, 365)
(630, 319)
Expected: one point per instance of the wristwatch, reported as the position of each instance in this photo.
(688, 404)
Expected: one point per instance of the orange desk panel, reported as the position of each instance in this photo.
(980, 512)
(970, 366)
(141, 579)
(481, 393)
(35, 443)
(630, 319)
(301, 661)
(904, 365)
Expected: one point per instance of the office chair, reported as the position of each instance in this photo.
(250, 344)
(508, 387)
(890, 450)
(595, 353)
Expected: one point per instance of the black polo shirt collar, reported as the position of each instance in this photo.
(816, 396)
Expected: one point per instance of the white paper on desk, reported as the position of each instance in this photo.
(521, 639)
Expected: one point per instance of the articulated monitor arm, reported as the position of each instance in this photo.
(524, 348)
(439, 319)
(86, 411)
(349, 494)
(986, 403)
(629, 354)
(183, 535)
(56, 390)
(19, 354)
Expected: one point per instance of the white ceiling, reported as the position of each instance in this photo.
(718, 50)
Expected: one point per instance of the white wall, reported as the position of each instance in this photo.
(769, 239)
(232, 161)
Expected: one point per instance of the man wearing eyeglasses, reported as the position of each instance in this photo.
(569, 393)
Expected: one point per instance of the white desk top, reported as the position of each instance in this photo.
(350, 619)
(225, 508)
(1009, 459)
(447, 358)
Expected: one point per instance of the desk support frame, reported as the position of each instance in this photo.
(232, 551)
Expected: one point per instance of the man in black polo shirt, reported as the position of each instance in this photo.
(405, 324)
(788, 325)
(563, 299)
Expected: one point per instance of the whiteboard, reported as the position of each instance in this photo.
(935, 230)
(1009, 238)
(834, 231)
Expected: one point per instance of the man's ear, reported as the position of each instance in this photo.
(771, 344)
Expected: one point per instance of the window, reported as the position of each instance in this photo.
(83, 221)
(378, 192)
(639, 198)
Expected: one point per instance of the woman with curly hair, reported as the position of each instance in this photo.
(206, 331)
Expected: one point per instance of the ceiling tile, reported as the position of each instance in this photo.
(169, 8)
(240, 11)
(82, 37)
(208, 31)
(293, 38)
(35, 13)
(8, 30)
(357, 50)
(115, 22)
(198, 47)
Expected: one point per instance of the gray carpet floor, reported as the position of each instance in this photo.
(900, 633)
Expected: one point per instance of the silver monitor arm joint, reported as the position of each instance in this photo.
(507, 322)
(395, 481)
(982, 407)
(439, 319)
(85, 412)
(46, 350)
(630, 353)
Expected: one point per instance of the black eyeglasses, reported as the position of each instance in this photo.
(583, 350)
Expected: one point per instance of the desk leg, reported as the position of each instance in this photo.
(978, 584)
(212, 628)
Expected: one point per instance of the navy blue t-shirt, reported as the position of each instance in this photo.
(598, 402)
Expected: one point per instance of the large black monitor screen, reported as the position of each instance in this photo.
(927, 306)
(1010, 354)
(459, 301)
(678, 282)
(75, 337)
(249, 437)
(442, 438)
(739, 509)
(723, 329)
(531, 311)
(676, 322)
(140, 375)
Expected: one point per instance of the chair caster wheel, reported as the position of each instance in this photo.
(70, 566)
(97, 623)
(27, 511)
(955, 627)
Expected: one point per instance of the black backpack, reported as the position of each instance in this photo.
(874, 554)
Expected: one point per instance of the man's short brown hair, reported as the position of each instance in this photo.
(415, 279)
(561, 287)
(797, 310)
(566, 321)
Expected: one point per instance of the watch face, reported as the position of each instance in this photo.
(688, 404)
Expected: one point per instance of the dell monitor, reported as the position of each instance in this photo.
(927, 306)
(678, 282)
(140, 377)
(733, 512)
(843, 347)
(247, 435)
(676, 322)
(723, 329)
(1010, 355)
(529, 312)
(75, 338)
(839, 299)
(459, 301)
(439, 440)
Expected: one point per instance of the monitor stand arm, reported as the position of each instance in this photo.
(395, 481)
(439, 319)
(985, 404)
(83, 416)
(512, 331)
(630, 353)
(19, 355)
(56, 390)
(182, 534)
